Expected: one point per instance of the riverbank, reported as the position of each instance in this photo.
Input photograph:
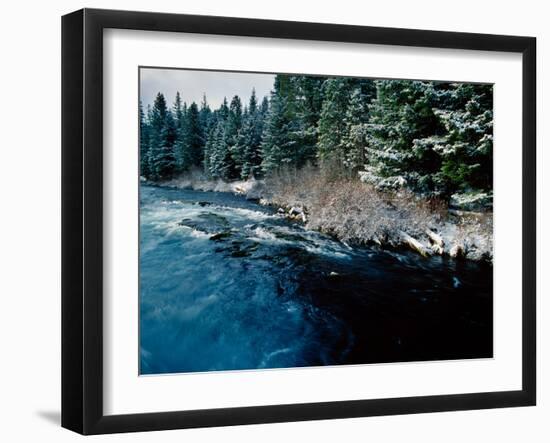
(356, 213)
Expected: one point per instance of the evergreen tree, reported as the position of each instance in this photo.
(205, 116)
(217, 158)
(223, 111)
(157, 119)
(466, 150)
(233, 126)
(143, 143)
(331, 124)
(209, 148)
(308, 97)
(278, 145)
(353, 141)
(178, 110)
(158, 113)
(164, 160)
(253, 102)
(250, 137)
(264, 107)
(191, 141)
(220, 162)
(401, 135)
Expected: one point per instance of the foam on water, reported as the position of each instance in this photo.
(211, 304)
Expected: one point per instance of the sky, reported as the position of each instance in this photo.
(192, 84)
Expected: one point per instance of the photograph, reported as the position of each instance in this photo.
(298, 220)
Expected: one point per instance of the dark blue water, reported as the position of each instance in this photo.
(227, 284)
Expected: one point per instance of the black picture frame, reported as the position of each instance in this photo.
(82, 218)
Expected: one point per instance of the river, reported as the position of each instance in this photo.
(228, 284)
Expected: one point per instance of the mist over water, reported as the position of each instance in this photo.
(227, 284)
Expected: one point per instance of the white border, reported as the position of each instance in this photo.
(126, 392)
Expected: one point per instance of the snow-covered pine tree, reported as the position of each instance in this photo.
(205, 116)
(191, 139)
(331, 125)
(157, 119)
(308, 98)
(278, 145)
(164, 162)
(221, 163)
(143, 143)
(249, 140)
(353, 141)
(466, 150)
(400, 136)
(264, 107)
(215, 150)
(177, 109)
(209, 149)
(223, 111)
(233, 126)
(218, 162)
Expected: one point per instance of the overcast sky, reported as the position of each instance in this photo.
(192, 84)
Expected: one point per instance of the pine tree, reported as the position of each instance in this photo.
(191, 140)
(220, 162)
(158, 113)
(205, 116)
(401, 134)
(308, 97)
(178, 109)
(223, 111)
(143, 143)
(233, 126)
(264, 107)
(353, 141)
(466, 150)
(250, 137)
(217, 158)
(278, 145)
(157, 120)
(209, 150)
(331, 122)
(164, 161)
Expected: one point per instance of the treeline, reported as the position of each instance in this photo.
(432, 137)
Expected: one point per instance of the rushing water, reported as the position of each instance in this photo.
(228, 284)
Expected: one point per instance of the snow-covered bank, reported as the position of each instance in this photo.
(464, 235)
(356, 213)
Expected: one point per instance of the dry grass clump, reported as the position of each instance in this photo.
(353, 211)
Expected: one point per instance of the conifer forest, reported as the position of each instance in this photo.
(433, 138)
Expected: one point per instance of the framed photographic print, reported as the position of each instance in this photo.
(269, 221)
